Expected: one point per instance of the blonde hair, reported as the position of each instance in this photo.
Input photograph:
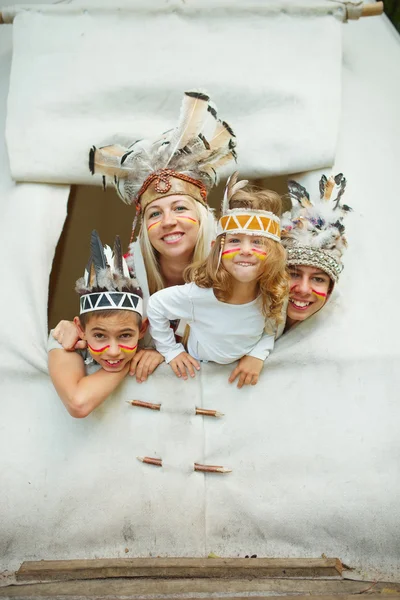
(151, 256)
(273, 282)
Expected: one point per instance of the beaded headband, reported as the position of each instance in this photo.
(314, 257)
(164, 183)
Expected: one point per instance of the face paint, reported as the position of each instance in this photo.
(99, 351)
(319, 294)
(229, 254)
(154, 225)
(182, 218)
(127, 349)
(261, 254)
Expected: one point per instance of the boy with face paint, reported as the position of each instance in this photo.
(110, 324)
(313, 235)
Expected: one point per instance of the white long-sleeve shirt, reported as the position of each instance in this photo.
(219, 332)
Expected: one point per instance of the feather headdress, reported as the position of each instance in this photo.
(244, 220)
(184, 160)
(313, 232)
(107, 283)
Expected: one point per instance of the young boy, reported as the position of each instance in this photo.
(110, 322)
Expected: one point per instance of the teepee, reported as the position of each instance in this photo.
(309, 87)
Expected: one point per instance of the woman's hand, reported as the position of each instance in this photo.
(67, 335)
(144, 363)
(248, 369)
(184, 361)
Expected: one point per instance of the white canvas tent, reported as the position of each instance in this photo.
(314, 447)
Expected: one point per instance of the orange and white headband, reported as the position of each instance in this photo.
(250, 222)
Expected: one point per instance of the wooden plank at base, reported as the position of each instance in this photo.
(204, 589)
(62, 570)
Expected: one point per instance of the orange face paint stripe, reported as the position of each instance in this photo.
(320, 294)
(99, 351)
(128, 349)
(187, 219)
(154, 224)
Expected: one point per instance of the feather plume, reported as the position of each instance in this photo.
(107, 161)
(92, 274)
(197, 147)
(118, 264)
(108, 254)
(318, 225)
(191, 120)
(326, 186)
(97, 252)
(223, 134)
(299, 193)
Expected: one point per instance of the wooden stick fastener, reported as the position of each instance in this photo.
(149, 405)
(210, 468)
(208, 413)
(372, 10)
(157, 462)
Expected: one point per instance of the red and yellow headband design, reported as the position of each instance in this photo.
(250, 222)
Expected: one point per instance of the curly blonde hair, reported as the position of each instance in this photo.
(273, 282)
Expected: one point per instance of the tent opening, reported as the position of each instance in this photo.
(90, 208)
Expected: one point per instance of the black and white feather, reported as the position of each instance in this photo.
(318, 223)
(106, 270)
(199, 146)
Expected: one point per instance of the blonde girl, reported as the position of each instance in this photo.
(230, 295)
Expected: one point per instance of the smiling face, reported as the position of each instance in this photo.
(112, 340)
(172, 225)
(243, 256)
(309, 290)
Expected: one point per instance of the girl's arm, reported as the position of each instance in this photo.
(80, 393)
(263, 348)
(250, 366)
(166, 305)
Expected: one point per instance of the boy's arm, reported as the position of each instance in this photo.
(165, 305)
(80, 393)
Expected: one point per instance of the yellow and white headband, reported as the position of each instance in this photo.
(250, 222)
(247, 221)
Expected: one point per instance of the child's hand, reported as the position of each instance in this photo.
(248, 370)
(144, 363)
(67, 335)
(184, 361)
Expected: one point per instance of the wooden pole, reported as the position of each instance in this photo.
(372, 10)
(8, 14)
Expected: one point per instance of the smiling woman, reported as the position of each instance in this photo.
(168, 181)
(313, 234)
(177, 231)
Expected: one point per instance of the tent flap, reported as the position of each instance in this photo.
(79, 79)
